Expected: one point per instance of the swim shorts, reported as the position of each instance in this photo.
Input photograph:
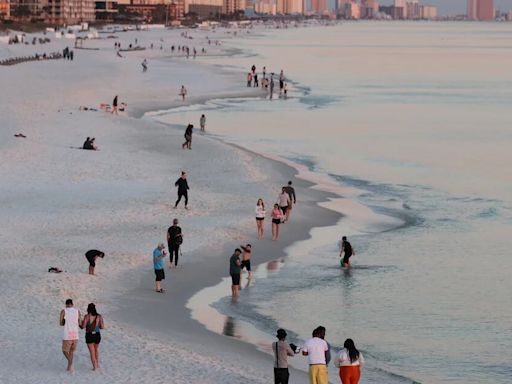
(160, 274)
(235, 279)
(246, 264)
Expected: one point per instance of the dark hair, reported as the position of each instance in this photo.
(238, 250)
(320, 332)
(183, 173)
(102, 254)
(344, 238)
(353, 353)
(91, 309)
(281, 334)
(290, 182)
(69, 302)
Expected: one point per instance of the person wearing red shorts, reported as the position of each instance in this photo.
(350, 361)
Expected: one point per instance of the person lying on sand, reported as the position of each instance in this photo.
(89, 144)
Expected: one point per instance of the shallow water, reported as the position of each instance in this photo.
(416, 117)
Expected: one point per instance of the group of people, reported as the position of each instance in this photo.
(318, 351)
(236, 266)
(267, 83)
(280, 212)
(72, 321)
(35, 57)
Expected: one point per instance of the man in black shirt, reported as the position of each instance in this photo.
(91, 257)
(291, 192)
(183, 188)
(346, 251)
(174, 240)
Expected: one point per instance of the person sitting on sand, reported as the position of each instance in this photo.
(93, 323)
(70, 320)
(89, 144)
(91, 257)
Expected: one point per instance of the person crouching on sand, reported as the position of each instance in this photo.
(277, 217)
(260, 217)
(93, 323)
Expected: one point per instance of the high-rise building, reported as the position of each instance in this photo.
(400, 9)
(266, 7)
(472, 10)
(319, 6)
(203, 6)
(485, 10)
(5, 9)
(70, 11)
(233, 6)
(412, 10)
(369, 9)
(352, 10)
(428, 12)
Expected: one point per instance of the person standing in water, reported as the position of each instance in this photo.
(271, 86)
(93, 323)
(202, 122)
(277, 216)
(183, 92)
(347, 251)
(281, 82)
(234, 272)
(246, 259)
(260, 217)
(183, 188)
(70, 320)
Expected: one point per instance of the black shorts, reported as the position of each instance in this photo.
(276, 221)
(284, 209)
(346, 259)
(91, 261)
(235, 278)
(246, 264)
(92, 338)
(160, 274)
(260, 218)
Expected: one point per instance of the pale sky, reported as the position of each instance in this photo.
(457, 7)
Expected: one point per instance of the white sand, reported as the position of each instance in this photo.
(58, 202)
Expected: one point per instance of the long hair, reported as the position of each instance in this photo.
(353, 353)
(91, 309)
(262, 203)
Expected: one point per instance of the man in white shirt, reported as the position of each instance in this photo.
(70, 320)
(315, 349)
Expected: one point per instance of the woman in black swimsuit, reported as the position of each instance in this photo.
(92, 323)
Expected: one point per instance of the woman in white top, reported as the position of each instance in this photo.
(350, 361)
(260, 216)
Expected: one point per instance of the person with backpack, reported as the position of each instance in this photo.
(347, 251)
(281, 351)
(174, 240)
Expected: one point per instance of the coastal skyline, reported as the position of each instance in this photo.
(457, 7)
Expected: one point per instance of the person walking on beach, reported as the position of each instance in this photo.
(281, 82)
(284, 202)
(260, 217)
(256, 83)
(188, 137)
(70, 320)
(183, 92)
(246, 259)
(281, 351)
(253, 69)
(183, 188)
(93, 323)
(349, 361)
(234, 272)
(249, 79)
(293, 199)
(277, 216)
(174, 240)
(285, 90)
(347, 251)
(114, 105)
(271, 86)
(91, 257)
(202, 122)
(144, 65)
(158, 265)
(315, 349)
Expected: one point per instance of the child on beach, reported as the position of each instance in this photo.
(260, 217)
(277, 216)
(202, 122)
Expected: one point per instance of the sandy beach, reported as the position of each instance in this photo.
(58, 201)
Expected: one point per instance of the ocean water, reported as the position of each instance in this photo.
(413, 122)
